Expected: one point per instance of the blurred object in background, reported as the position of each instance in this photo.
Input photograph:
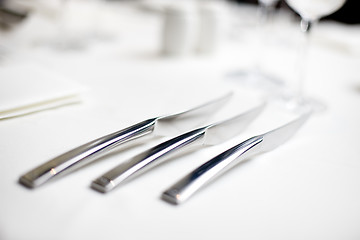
(179, 33)
(193, 27)
(10, 15)
(347, 14)
(65, 25)
(212, 26)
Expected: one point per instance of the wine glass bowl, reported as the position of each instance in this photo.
(312, 10)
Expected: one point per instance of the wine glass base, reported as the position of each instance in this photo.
(276, 90)
(256, 79)
(301, 104)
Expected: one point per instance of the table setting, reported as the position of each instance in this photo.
(158, 119)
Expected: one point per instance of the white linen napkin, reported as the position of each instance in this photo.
(27, 89)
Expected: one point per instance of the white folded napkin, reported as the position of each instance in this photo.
(29, 88)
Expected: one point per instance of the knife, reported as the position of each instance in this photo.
(195, 180)
(168, 125)
(209, 135)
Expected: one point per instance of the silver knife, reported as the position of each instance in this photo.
(209, 135)
(168, 125)
(192, 182)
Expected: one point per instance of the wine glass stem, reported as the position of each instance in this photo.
(265, 14)
(305, 26)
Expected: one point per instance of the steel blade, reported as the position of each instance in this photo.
(219, 132)
(278, 136)
(178, 123)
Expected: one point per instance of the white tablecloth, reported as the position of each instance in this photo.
(309, 188)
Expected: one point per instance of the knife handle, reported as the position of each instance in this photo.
(84, 154)
(191, 183)
(147, 160)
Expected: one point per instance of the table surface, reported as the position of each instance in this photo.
(309, 188)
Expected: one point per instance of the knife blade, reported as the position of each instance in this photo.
(167, 125)
(207, 172)
(208, 135)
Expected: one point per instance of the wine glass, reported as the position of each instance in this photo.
(266, 12)
(254, 76)
(310, 12)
